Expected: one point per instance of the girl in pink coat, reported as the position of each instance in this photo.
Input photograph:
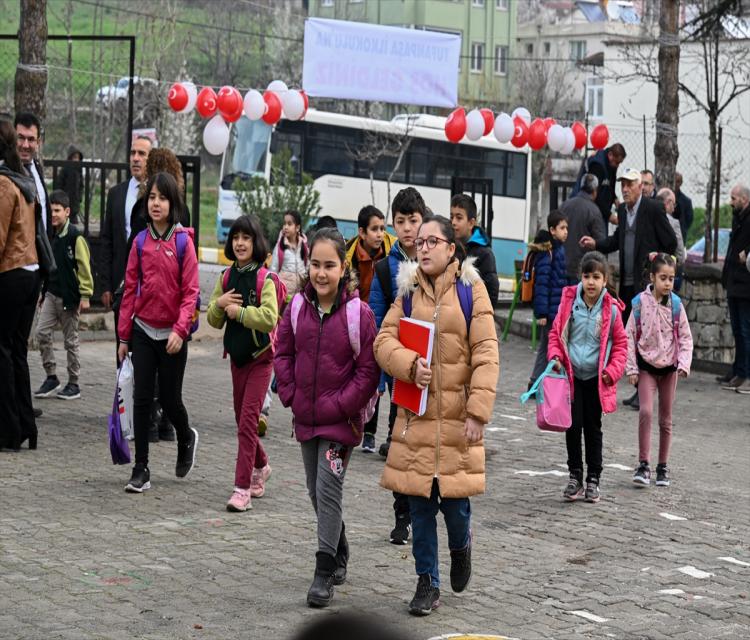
(660, 348)
(589, 342)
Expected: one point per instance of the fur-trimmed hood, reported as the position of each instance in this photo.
(542, 242)
(407, 280)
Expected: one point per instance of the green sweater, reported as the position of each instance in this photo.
(72, 281)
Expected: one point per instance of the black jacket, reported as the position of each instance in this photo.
(70, 180)
(735, 277)
(479, 246)
(48, 208)
(114, 252)
(584, 219)
(653, 232)
(138, 223)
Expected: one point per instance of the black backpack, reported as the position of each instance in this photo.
(383, 274)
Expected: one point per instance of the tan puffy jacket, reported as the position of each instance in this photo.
(464, 381)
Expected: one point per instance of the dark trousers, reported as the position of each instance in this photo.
(372, 425)
(20, 290)
(586, 412)
(149, 357)
(117, 336)
(400, 500)
(739, 316)
(627, 293)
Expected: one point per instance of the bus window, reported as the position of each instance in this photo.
(516, 184)
(326, 150)
(245, 156)
(290, 143)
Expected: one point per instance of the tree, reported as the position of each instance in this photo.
(31, 72)
(287, 190)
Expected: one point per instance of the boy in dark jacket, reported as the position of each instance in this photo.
(408, 210)
(66, 293)
(551, 278)
(475, 241)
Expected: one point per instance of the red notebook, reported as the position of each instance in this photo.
(417, 336)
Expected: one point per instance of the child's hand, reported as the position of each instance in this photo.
(83, 305)
(174, 343)
(606, 379)
(633, 379)
(122, 351)
(682, 373)
(422, 375)
(473, 430)
(232, 310)
(230, 297)
(542, 322)
(557, 366)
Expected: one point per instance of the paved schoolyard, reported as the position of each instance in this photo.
(80, 558)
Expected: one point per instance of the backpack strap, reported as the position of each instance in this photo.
(280, 253)
(225, 279)
(260, 283)
(406, 302)
(676, 306)
(383, 274)
(466, 298)
(180, 240)
(353, 325)
(140, 240)
(296, 306)
(609, 342)
(636, 305)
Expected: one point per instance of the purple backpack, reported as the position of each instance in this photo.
(552, 391)
(181, 241)
(465, 298)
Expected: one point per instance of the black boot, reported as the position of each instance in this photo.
(320, 593)
(342, 557)
(630, 400)
(635, 402)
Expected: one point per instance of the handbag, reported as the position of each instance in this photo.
(118, 445)
(553, 410)
(45, 257)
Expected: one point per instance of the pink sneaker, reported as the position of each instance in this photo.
(258, 481)
(240, 500)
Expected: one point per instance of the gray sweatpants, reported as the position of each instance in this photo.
(52, 312)
(325, 467)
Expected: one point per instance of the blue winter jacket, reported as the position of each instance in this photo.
(551, 275)
(379, 305)
(584, 339)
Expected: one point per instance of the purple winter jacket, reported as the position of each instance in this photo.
(316, 373)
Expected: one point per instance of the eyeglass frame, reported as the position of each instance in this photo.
(421, 242)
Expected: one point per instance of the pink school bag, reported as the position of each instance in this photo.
(552, 391)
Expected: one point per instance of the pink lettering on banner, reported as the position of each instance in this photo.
(342, 71)
(352, 73)
(383, 80)
(426, 83)
(397, 82)
(414, 82)
(373, 79)
(321, 77)
(362, 74)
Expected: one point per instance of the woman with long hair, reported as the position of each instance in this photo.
(20, 284)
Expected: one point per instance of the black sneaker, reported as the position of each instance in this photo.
(629, 401)
(461, 567)
(368, 443)
(592, 490)
(575, 486)
(166, 430)
(426, 598)
(186, 455)
(140, 480)
(662, 475)
(643, 474)
(49, 386)
(70, 392)
(400, 533)
(725, 378)
(385, 448)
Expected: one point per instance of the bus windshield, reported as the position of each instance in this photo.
(245, 156)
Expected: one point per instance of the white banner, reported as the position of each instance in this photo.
(359, 61)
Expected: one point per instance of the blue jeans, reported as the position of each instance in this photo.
(739, 315)
(457, 514)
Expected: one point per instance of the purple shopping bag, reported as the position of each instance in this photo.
(118, 445)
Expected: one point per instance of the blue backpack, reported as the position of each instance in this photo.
(676, 306)
(465, 297)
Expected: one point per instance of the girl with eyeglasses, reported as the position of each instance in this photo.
(437, 459)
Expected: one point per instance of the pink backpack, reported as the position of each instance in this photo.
(352, 324)
(552, 391)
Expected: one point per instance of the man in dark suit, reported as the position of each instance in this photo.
(28, 127)
(116, 227)
(642, 228)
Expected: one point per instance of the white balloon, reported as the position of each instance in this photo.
(216, 136)
(192, 97)
(504, 128)
(474, 125)
(523, 113)
(278, 87)
(255, 106)
(557, 138)
(570, 142)
(293, 104)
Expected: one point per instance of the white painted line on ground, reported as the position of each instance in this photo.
(672, 592)
(588, 616)
(735, 561)
(542, 473)
(695, 573)
(470, 636)
(502, 415)
(670, 516)
(645, 568)
(496, 429)
(619, 466)
(516, 440)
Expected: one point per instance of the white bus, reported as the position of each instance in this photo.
(322, 145)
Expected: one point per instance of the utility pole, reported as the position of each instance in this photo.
(666, 150)
(31, 70)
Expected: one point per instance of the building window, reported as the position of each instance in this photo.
(546, 48)
(326, 3)
(502, 5)
(577, 52)
(477, 3)
(501, 61)
(477, 57)
(530, 49)
(595, 97)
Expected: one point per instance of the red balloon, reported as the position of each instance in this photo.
(548, 122)
(178, 97)
(599, 136)
(206, 104)
(273, 108)
(579, 131)
(489, 120)
(455, 125)
(229, 102)
(521, 136)
(537, 135)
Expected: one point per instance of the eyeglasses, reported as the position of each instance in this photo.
(431, 242)
(648, 184)
(30, 139)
